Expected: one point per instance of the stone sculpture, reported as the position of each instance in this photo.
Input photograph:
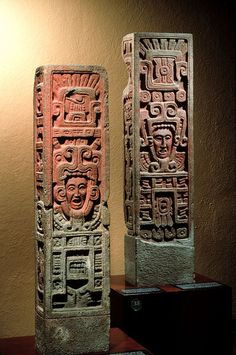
(157, 109)
(71, 191)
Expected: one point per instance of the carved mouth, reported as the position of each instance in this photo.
(76, 203)
(163, 152)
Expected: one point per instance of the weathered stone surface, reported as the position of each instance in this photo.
(71, 191)
(75, 335)
(157, 106)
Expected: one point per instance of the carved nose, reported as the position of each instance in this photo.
(76, 192)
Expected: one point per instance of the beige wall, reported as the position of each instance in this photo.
(42, 32)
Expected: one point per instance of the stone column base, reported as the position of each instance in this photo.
(150, 263)
(75, 335)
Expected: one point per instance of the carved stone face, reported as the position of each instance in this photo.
(76, 191)
(162, 141)
(76, 197)
(76, 107)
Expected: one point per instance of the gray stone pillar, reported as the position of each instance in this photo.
(157, 106)
(71, 191)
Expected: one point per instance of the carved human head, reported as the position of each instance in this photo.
(76, 197)
(163, 137)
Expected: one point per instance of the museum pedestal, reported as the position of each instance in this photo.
(187, 319)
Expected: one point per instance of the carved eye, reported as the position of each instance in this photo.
(167, 137)
(158, 138)
(80, 99)
(82, 187)
(71, 188)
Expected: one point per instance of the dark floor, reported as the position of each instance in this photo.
(234, 336)
(234, 342)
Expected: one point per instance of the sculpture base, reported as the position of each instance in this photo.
(186, 319)
(151, 263)
(120, 343)
(72, 335)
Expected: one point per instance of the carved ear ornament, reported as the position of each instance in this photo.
(60, 193)
(56, 108)
(150, 140)
(94, 193)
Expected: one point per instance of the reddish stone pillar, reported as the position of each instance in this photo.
(71, 191)
(157, 104)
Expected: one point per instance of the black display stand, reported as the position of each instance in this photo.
(187, 319)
